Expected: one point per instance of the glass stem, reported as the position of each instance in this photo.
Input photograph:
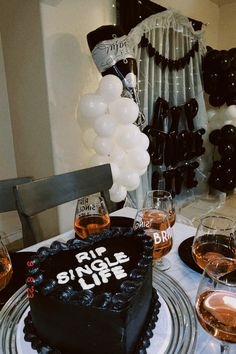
(224, 348)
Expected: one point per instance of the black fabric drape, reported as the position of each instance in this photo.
(131, 12)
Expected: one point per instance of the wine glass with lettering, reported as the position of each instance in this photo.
(5, 266)
(161, 200)
(156, 224)
(214, 238)
(216, 302)
(91, 216)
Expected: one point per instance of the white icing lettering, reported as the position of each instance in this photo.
(63, 278)
(72, 275)
(119, 272)
(100, 269)
(96, 279)
(109, 262)
(93, 255)
(82, 256)
(98, 265)
(84, 285)
(121, 257)
(100, 251)
(80, 271)
(105, 274)
(85, 255)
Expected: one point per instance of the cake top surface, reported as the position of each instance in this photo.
(104, 270)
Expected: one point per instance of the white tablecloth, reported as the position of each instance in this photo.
(184, 276)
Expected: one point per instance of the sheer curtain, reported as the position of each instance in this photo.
(173, 37)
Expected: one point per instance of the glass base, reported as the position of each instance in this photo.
(161, 264)
(209, 344)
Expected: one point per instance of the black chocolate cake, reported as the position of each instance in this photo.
(92, 296)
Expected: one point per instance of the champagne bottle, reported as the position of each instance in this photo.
(112, 55)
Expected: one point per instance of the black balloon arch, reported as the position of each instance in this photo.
(223, 172)
(219, 76)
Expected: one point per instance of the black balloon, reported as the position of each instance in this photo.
(219, 76)
(226, 149)
(223, 60)
(229, 185)
(228, 162)
(230, 100)
(231, 75)
(228, 132)
(230, 87)
(215, 182)
(211, 82)
(232, 56)
(217, 168)
(216, 101)
(210, 60)
(223, 172)
(215, 137)
(228, 173)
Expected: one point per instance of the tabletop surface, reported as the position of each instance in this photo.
(187, 278)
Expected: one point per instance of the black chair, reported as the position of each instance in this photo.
(42, 194)
(7, 198)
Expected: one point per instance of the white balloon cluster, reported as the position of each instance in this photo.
(107, 120)
(218, 118)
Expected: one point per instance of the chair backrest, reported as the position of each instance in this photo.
(42, 194)
(7, 198)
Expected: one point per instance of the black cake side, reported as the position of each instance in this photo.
(104, 302)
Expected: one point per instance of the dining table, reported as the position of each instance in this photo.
(177, 287)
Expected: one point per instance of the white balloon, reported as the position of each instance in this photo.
(144, 141)
(102, 145)
(127, 138)
(117, 193)
(105, 125)
(115, 171)
(117, 156)
(138, 158)
(141, 172)
(130, 80)
(110, 87)
(88, 138)
(97, 160)
(211, 113)
(129, 179)
(230, 112)
(220, 114)
(92, 106)
(215, 123)
(125, 110)
(84, 123)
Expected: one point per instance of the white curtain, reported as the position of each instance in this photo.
(172, 35)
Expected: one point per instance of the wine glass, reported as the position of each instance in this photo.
(161, 200)
(216, 302)
(214, 238)
(5, 266)
(91, 216)
(156, 224)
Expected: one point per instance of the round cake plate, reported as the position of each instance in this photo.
(161, 333)
(175, 331)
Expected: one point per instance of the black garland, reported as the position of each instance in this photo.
(166, 62)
